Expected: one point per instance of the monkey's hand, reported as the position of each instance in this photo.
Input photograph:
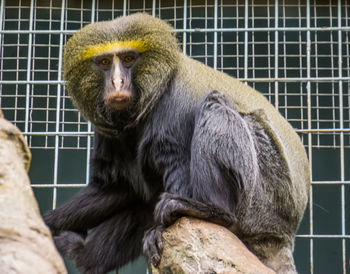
(69, 243)
(172, 207)
(52, 222)
(153, 245)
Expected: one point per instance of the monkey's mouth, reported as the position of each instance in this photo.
(118, 102)
(120, 99)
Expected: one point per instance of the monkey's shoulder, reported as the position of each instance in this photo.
(195, 80)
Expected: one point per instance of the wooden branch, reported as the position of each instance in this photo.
(195, 246)
(26, 245)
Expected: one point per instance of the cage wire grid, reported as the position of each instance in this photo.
(295, 52)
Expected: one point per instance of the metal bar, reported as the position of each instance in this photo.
(154, 8)
(347, 43)
(66, 133)
(269, 45)
(221, 37)
(57, 185)
(276, 55)
(88, 151)
(206, 34)
(331, 182)
(90, 133)
(246, 26)
(316, 73)
(309, 126)
(29, 62)
(320, 130)
(301, 57)
(48, 77)
(281, 79)
(184, 35)
(83, 185)
(2, 9)
(341, 125)
(264, 29)
(215, 57)
(24, 82)
(325, 237)
(58, 106)
(346, 28)
(124, 7)
(2, 22)
(237, 46)
(285, 67)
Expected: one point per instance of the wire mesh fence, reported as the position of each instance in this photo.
(296, 53)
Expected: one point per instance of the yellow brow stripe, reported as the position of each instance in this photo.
(99, 49)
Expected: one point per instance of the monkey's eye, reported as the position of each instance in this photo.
(128, 59)
(105, 62)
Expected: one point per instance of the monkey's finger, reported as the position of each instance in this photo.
(153, 245)
(69, 242)
(171, 207)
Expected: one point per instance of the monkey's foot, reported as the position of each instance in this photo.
(171, 207)
(153, 245)
(71, 244)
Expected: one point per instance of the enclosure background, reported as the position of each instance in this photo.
(295, 52)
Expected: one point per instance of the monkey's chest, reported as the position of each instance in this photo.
(133, 171)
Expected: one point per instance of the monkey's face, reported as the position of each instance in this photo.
(116, 71)
(116, 68)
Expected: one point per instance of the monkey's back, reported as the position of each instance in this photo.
(200, 80)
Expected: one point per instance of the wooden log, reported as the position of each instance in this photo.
(195, 246)
(26, 245)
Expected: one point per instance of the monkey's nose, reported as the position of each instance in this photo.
(118, 83)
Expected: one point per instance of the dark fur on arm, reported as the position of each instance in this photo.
(223, 164)
(106, 192)
(88, 208)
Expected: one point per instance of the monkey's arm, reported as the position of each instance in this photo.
(106, 193)
(223, 166)
(224, 158)
(223, 163)
(87, 209)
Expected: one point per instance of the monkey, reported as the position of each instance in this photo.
(173, 138)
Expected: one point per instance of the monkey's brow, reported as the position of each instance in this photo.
(100, 49)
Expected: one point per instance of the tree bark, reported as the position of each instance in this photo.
(26, 244)
(195, 246)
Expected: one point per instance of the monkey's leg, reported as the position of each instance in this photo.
(110, 245)
(87, 209)
(275, 252)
